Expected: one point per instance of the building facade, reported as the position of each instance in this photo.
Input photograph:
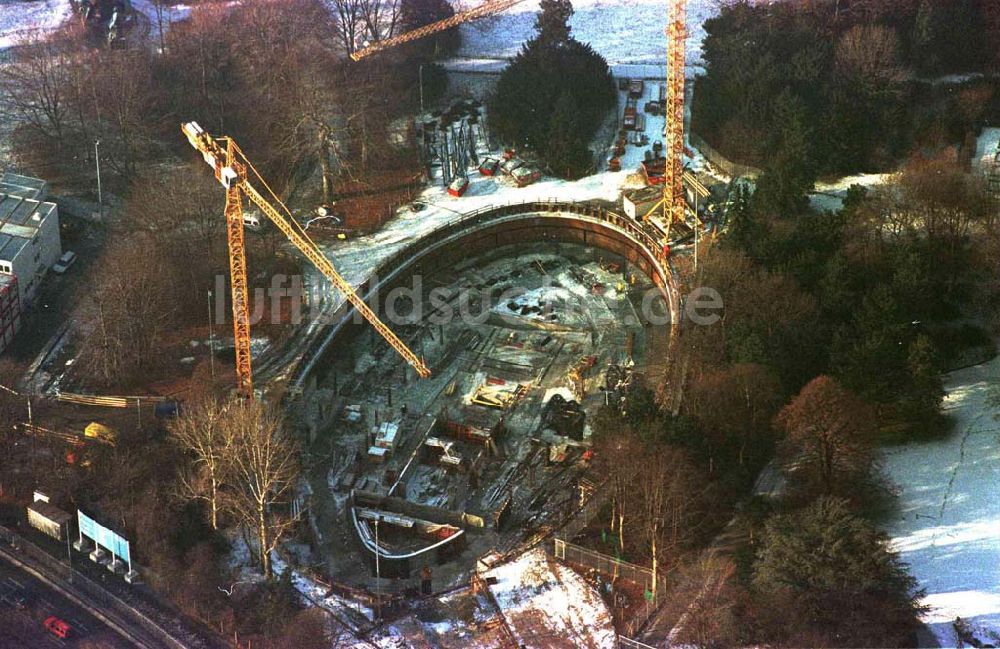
(29, 246)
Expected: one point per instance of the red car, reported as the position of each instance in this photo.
(57, 627)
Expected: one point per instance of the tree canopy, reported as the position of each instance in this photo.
(554, 95)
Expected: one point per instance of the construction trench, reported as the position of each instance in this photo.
(529, 323)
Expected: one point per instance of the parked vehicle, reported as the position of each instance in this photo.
(525, 176)
(458, 186)
(628, 120)
(68, 259)
(640, 123)
(57, 627)
(510, 165)
(489, 167)
(635, 88)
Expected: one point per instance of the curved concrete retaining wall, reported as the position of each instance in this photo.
(492, 228)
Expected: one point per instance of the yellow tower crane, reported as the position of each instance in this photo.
(483, 10)
(238, 176)
(674, 203)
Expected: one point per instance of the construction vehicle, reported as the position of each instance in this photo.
(241, 181)
(577, 375)
(101, 433)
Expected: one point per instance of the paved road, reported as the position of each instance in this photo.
(25, 602)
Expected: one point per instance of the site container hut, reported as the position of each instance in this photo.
(49, 519)
(638, 202)
(479, 426)
(510, 165)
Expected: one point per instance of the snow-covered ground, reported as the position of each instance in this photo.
(829, 195)
(623, 31)
(19, 19)
(986, 147)
(948, 528)
(546, 604)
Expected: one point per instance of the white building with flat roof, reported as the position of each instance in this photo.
(29, 246)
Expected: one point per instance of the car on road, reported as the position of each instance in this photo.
(57, 627)
(68, 259)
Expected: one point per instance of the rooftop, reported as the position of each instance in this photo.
(20, 219)
(50, 512)
(23, 186)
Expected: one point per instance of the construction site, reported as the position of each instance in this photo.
(445, 388)
(491, 451)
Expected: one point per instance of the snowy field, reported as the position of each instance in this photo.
(19, 19)
(623, 31)
(948, 529)
(829, 195)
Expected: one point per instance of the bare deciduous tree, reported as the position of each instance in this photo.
(264, 467)
(671, 502)
(130, 309)
(200, 431)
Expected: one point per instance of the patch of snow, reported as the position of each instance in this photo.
(541, 598)
(949, 509)
(623, 31)
(562, 392)
(317, 594)
(987, 147)
(19, 20)
(829, 195)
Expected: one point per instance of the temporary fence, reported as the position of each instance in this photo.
(614, 569)
(721, 162)
(628, 643)
(608, 566)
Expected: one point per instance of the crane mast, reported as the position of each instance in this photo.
(240, 179)
(483, 10)
(674, 204)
